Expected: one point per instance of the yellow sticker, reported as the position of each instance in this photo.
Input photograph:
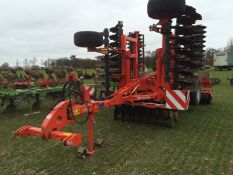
(96, 107)
(76, 111)
(67, 134)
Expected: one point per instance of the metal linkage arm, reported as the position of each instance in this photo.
(56, 120)
(66, 112)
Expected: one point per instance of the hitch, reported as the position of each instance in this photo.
(58, 118)
(68, 139)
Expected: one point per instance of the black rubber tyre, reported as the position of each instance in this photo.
(88, 39)
(195, 97)
(159, 9)
(209, 100)
(206, 99)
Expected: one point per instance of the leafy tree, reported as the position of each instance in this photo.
(230, 45)
(5, 66)
(209, 56)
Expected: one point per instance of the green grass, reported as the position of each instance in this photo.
(200, 143)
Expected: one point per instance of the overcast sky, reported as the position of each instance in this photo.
(45, 28)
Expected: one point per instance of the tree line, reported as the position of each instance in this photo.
(74, 62)
(59, 63)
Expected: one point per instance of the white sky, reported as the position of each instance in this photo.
(45, 28)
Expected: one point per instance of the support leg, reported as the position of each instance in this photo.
(91, 134)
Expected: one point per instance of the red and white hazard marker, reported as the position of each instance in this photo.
(177, 99)
(90, 89)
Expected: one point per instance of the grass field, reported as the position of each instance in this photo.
(200, 143)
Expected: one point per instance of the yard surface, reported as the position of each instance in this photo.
(200, 143)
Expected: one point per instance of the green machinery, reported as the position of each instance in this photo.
(22, 87)
(32, 86)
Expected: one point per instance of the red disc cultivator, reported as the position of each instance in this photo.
(139, 96)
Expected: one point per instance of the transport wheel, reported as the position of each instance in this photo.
(195, 97)
(209, 100)
(206, 99)
(88, 39)
(159, 9)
